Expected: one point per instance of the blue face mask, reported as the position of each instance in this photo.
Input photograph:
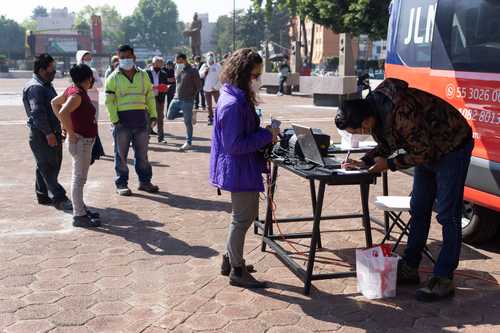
(127, 64)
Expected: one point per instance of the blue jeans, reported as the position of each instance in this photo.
(139, 137)
(182, 108)
(441, 182)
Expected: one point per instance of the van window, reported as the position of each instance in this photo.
(469, 34)
(414, 32)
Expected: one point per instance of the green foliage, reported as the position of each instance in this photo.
(353, 16)
(154, 24)
(251, 29)
(40, 11)
(113, 34)
(29, 24)
(13, 36)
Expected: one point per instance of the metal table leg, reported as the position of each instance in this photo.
(365, 191)
(312, 186)
(268, 224)
(314, 238)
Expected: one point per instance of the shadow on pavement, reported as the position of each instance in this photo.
(183, 202)
(145, 233)
(400, 314)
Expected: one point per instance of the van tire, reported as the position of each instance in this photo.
(481, 225)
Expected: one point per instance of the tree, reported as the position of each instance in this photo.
(154, 24)
(113, 34)
(40, 11)
(223, 34)
(29, 24)
(12, 44)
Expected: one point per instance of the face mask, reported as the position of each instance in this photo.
(88, 63)
(127, 64)
(179, 68)
(211, 60)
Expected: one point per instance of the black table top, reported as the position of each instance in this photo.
(330, 176)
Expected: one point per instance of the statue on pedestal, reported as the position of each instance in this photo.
(194, 32)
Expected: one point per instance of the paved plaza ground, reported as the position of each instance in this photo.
(153, 266)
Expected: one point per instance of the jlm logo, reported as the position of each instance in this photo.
(416, 34)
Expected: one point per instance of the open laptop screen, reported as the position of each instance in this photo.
(308, 145)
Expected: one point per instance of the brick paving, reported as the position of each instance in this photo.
(154, 264)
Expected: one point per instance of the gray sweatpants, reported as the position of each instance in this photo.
(245, 209)
(82, 155)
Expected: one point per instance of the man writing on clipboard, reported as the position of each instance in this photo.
(438, 142)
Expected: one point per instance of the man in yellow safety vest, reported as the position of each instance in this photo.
(131, 106)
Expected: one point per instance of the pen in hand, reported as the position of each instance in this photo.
(347, 157)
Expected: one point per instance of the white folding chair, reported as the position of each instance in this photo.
(394, 207)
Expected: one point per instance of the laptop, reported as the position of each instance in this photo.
(310, 148)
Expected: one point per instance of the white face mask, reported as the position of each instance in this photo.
(88, 63)
(127, 64)
(256, 85)
(179, 68)
(211, 60)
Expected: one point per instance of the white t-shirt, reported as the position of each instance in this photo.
(212, 81)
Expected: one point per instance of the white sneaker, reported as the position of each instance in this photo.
(279, 94)
(185, 146)
(194, 118)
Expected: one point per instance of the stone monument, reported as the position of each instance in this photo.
(194, 32)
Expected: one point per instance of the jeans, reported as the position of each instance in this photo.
(208, 96)
(181, 108)
(160, 117)
(199, 95)
(81, 151)
(139, 137)
(245, 209)
(48, 164)
(282, 84)
(441, 182)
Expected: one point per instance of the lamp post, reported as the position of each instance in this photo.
(234, 25)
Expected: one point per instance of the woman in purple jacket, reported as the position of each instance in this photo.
(235, 163)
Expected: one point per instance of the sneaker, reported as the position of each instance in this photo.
(44, 200)
(148, 187)
(152, 132)
(124, 191)
(210, 122)
(225, 268)
(279, 94)
(185, 146)
(162, 141)
(86, 221)
(64, 205)
(407, 274)
(437, 288)
(240, 277)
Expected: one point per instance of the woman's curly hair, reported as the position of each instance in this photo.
(237, 71)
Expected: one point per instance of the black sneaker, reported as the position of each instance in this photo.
(86, 222)
(162, 141)
(210, 122)
(64, 205)
(148, 187)
(407, 274)
(239, 277)
(44, 200)
(124, 191)
(152, 132)
(225, 268)
(437, 289)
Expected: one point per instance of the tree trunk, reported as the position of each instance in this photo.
(304, 35)
(312, 42)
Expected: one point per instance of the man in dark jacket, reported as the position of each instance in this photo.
(188, 85)
(45, 133)
(159, 80)
(170, 70)
(438, 142)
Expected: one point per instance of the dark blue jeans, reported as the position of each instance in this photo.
(182, 108)
(139, 137)
(441, 182)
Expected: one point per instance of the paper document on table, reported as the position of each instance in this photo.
(351, 172)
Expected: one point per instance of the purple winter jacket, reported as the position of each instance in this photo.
(235, 165)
